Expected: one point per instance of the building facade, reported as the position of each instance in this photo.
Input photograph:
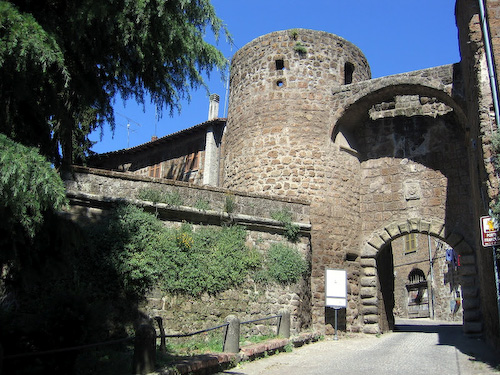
(381, 161)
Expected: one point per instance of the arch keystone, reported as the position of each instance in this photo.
(414, 224)
(425, 226)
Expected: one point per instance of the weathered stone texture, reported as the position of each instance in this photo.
(115, 185)
(481, 118)
(365, 161)
(91, 191)
(391, 156)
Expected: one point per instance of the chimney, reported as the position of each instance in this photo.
(213, 109)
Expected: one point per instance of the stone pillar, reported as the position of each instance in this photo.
(211, 166)
(144, 349)
(232, 339)
(284, 326)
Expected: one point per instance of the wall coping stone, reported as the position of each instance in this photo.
(184, 212)
(134, 177)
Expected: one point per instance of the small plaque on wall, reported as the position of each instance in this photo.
(412, 190)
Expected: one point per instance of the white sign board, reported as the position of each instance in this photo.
(490, 234)
(336, 288)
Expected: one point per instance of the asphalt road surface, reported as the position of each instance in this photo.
(415, 347)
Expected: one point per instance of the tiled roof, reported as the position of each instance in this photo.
(167, 138)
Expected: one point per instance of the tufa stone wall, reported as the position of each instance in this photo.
(269, 156)
(92, 192)
(481, 120)
(367, 153)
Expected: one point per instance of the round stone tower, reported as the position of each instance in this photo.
(280, 107)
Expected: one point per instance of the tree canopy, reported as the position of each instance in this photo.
(63, 61)
(28, 186)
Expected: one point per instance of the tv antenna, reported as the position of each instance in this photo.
(129, 125)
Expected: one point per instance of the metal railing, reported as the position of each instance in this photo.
(145, 340)
(231, 340)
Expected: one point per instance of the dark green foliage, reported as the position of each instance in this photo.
(60, 295)
(29, 186)
(285, 264)
(63, 61)
(180, 260)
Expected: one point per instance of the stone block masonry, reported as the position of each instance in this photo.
(366, 153)
(92, 192)
(359, 162)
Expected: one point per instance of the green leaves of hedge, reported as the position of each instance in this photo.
(285, 264)
(146, 254)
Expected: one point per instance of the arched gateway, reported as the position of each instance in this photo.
(376, 160)
(378, 273)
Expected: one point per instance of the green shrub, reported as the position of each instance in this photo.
(229, 204)
(285, 217)
(145, 253)
(158, 196)
(285, 264)
(202, 204)
(294, 34)
(300, 48)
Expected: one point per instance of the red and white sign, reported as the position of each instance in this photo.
(490, 233)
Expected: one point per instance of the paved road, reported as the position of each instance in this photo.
(427, 348)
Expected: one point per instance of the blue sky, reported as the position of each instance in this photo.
(396, 36)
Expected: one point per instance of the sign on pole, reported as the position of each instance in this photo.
(336, 288)
(490, 233)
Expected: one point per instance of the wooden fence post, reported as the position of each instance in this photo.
(163, 342)
(232, 338)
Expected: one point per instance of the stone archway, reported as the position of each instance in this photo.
(371, 303)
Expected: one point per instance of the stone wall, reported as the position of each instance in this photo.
(481, 118)
(108, 186)
(250, 301)
(270, 123)
(365, 153)
(92, 192)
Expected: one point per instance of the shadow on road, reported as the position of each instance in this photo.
(451, 334)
